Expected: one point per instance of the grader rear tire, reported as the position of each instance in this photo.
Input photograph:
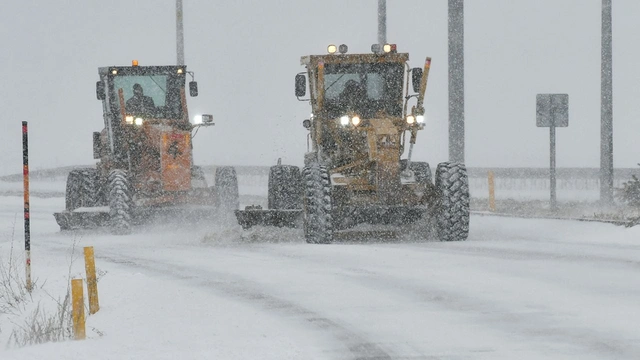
(452, 207)
(318, 222)
(226, 188)
(421, 170)
(285, 192)
(81, 189)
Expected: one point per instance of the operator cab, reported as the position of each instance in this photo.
(135, 94)
(363, 88)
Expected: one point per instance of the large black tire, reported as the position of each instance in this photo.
(422, 171)
(318, 221)
(285, 190)
(81, 189)
(197, 173)
(452, 204)
(226, 187)
(120, 202)
(198, 180)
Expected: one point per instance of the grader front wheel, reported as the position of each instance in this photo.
(318, 222)
(120, 202)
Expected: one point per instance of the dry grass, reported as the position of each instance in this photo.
(33, 321)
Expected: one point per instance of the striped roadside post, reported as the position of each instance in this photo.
(27, 225)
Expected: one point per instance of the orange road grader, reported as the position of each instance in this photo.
(145, 158)
(360, 127)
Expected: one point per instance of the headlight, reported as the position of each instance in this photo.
(355, 120)
(420, 119)
(331, 49)
(139, 121)
(197, 119)
(128, 119)
(344, 121)
(411, 119)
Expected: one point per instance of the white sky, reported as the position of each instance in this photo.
(246, 53)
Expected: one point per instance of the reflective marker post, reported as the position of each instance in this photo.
(492, 192)
(92, 282)
(77, 309)
(27, 225)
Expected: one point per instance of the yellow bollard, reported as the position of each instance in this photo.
(92, 284)
(492, 192)
(77, 303)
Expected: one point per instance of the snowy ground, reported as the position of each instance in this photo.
(517, 289)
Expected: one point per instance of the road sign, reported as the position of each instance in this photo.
(552, 110)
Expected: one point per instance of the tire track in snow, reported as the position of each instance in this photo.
(529, 324)
(502, 253)
(532, 324)
(246, 290)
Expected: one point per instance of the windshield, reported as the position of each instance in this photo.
(364, 89)
(156, 96)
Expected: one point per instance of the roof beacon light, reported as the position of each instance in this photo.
(134, 62)
(331, 49)
(343, 49)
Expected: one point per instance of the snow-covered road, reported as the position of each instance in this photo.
(517, 289)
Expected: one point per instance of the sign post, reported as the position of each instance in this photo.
(552, 111)
(27, 217)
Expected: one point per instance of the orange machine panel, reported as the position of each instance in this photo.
(176, 161)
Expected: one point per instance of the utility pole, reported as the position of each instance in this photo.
(456, 80)
(179, 33)
(606, 110)
(382, 22)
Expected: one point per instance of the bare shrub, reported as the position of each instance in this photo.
(41, 323)
(13, 292)
(42, 326)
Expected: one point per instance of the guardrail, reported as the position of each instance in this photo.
(474, 172)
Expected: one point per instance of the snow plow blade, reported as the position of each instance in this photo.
(98, 217)
(71, 220)
(254, 216)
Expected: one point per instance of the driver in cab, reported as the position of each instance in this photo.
(353, 96)
(139, 103)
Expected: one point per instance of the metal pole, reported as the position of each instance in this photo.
(382, 22)
(552, 167)
(27, 217)
(606, 111)
(179, 33)
(456, 80)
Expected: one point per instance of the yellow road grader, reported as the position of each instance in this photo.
(361, 125)
(145, 156)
